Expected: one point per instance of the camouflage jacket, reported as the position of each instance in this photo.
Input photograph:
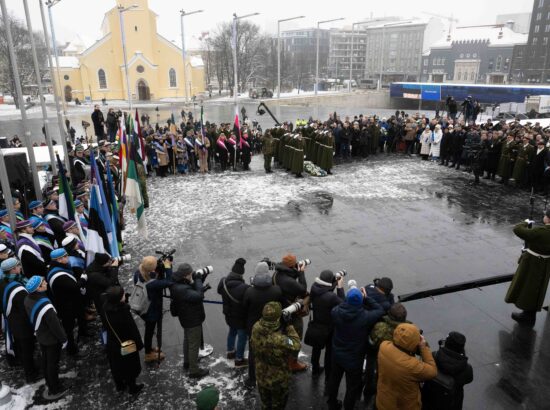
(272, 348)
(383, 330)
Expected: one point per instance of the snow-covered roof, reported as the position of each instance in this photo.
(78, 44)
(496, 36)
(388, 24)
(196, 61)
(67, 62)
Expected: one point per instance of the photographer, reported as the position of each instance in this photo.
(323, 300)
(232, 288)
(188, 294)
(290, 277)
(102, 273)
(352, 325)
(112, 124)
(400, 372)
(154, 284)
(255, 298)
(380, 291)
(273, 347)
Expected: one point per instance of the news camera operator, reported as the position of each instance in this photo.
(319, 332)
(232, 289)
(187, 295)
(155, 282)
(290, 277)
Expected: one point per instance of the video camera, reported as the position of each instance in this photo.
(290, 310)
(270, 263)
(163, 257)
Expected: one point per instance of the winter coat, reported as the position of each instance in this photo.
(255, 298)
(234, 312)
(64, 289)
(528, 287)
(400, 373)
(155, 290)
(292, 283)
(46, 326)
(435, 148)
(188, 300)
(426, 141)
(384, 300)
(383, 330)
(99, 279)
(119, 320)
(323, 300)
(455, 365)
(30, 256)
(352, 325)
(18, 320)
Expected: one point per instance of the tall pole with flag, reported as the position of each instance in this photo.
(134, 197)
(66, 201)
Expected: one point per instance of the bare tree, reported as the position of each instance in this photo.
(23, 53)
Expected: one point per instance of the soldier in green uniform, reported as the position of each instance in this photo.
(507, 159)
(528, 287)
(327, 151)
(523, 162)
(273, 346)
(267, 150)
(297, 162)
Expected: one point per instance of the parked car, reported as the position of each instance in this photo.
(260, 93)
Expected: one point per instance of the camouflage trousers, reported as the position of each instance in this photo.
(274, 397)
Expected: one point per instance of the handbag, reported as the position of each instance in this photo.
(316, 334)
(128, 346)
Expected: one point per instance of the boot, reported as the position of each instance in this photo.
(317, 370)
(295, 365)
(135, 388)
(241, 363)
(200, 373)
(231, 355)
(527, 318)
(153, 356)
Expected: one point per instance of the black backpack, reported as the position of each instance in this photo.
(439, 392)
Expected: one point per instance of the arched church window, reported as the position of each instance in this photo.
(102, 79)
(172, 75)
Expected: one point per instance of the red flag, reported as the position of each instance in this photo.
(237, 128)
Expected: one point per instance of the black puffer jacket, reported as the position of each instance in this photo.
(256, 296)
(292, 283)
(323, 299)
(99, 279)
(188, 300)
(235, 312)
(452, 364)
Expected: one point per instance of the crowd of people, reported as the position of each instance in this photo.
(51, 292)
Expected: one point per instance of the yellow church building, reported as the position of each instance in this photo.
(155, 65)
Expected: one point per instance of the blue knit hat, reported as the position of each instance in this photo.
(9, 264)
(3, 212)
(34, 204)
(33, 283)
(78, 203)
(36, 222)
(354, 297)
(58, 253)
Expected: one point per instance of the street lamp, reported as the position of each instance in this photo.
(382, 51)
(57, 96)
(235, 77)
(351, 54)
(122, 10)
(317, 57)
(183, 14)
(279, 51)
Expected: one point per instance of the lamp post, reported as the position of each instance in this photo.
(50, 4)
(183, 14)
(317, 54)
(39, 84)
(62, 133)
(351, 54)
(19, 91)
(235, 77)
(279, 51)
(383, 45)
(121, 11)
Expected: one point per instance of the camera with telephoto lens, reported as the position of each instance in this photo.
(123, 258)
(340, 274)
(304, 262)
(290, 310)
(203, 272)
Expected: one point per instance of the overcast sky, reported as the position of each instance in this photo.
(85, 16)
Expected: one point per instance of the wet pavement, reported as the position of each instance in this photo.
(419, 223)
